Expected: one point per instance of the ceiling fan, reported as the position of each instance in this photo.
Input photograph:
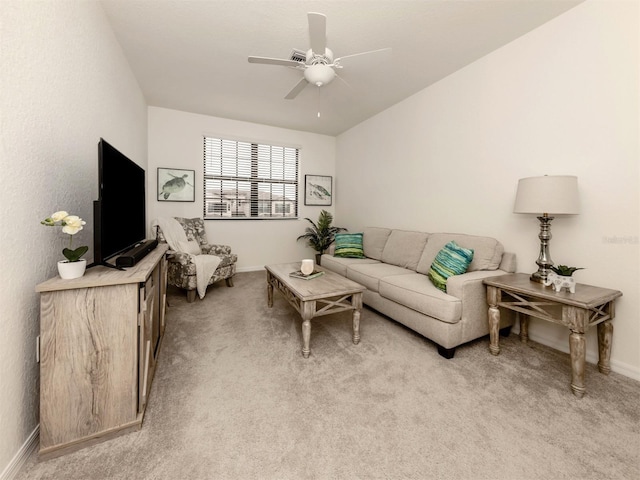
(318, 65)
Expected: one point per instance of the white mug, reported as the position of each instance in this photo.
(307, 266)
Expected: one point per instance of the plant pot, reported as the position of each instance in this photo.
(318, 257)
(69, 270)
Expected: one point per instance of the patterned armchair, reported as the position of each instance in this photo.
(182, 270)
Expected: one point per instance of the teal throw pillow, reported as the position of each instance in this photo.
(349, 245)
(451, 260)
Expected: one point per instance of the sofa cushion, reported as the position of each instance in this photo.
(339, 265)
(487, 251)
(404, 248)
(451, 260)
(370, 274)
(416, 292)
(348, 245)
(374, 240)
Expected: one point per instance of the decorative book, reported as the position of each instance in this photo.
(299, 274)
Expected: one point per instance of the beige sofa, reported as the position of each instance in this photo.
(395, 274)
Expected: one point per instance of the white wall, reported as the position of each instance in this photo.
(562, 99)
(65, 83)
(175, 141)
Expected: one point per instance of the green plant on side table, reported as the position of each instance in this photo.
(561, 277)
(564, 271)
(319, 236)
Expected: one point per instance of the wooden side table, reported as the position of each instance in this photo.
(587, 307)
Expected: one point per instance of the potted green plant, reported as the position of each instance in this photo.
(564, 271)
(319, 236)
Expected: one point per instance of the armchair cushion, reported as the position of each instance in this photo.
(194, 228)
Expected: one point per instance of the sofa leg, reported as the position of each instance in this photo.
(229, 281)
(506, 331)
(446, 352)
(191, 295)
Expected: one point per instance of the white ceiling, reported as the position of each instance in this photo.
(191, 55)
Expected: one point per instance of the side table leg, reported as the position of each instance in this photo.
(524, 327)
(577, 349)
(357, 308)
(605, 334)
(493, 296)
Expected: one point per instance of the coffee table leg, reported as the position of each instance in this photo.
(357, 309)
(269, 290)
(605, 334)
(308, 309)
(577, 349)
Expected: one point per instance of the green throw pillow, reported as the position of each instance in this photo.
(451, 260)
(349, 245)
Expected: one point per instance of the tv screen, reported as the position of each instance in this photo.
(119, 212)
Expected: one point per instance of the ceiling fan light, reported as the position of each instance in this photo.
(319, 75)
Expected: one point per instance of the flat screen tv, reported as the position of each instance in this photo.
(119, 212)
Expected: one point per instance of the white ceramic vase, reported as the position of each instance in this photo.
(69, 270)
(307, 266)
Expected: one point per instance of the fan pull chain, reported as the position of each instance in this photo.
(318, 102)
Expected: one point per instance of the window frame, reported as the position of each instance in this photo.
(262, 173)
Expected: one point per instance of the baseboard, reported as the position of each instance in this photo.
(592, 357)
(249, 269)
(21, 456)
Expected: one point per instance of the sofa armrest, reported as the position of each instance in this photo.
(472, 292)
(216, 249)
(460, 286)
(508, 262)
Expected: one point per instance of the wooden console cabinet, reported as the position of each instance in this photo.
(99, 341)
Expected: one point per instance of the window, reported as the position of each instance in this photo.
(245, 180)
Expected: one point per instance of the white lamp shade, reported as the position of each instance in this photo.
(319, 74)
(551, 194)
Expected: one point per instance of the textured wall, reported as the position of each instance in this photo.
(175, 140)
(562, 99)
(65, 84)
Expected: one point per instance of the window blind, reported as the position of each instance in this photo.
(247, 180)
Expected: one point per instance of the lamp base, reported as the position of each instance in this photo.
(538, 277)
(544, 261)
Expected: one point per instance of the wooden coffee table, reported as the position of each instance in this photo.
(324, 295)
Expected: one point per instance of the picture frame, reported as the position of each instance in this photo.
(317, 190)
(176, 185)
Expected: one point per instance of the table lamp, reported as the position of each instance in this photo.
(546, 196)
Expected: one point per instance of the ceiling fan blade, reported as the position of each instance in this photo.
(381, 50)
(297, 89)
(274, 61)
(317, 32)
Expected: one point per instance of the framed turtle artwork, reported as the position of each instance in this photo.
(317, 190)
(176, 185)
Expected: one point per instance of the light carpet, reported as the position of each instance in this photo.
(233, 398)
